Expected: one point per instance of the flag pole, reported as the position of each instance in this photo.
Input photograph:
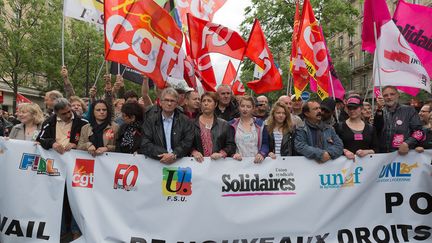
(333, 93)
(62, 36)
(118, 69)
(289, 83)
(99, 72)
(376, 56)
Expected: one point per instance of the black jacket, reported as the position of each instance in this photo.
(47, 135)
(287, 146)
(153, 140)
(136, 139)
(222, 137)
(229, 113)
(403, 121)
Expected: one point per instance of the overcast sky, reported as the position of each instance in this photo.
(230, 15)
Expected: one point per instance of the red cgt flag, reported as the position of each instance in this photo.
(142, 35)
(312, 45)
(297, 64)
(238, 88)
(230, 74)
(258, 51)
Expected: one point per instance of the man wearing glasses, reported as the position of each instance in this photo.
(167, 133)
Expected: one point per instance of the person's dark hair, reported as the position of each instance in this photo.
(390, 87)
(133, 109)
(305, 107)
(92, 116)
(60, 104)
(130, 94)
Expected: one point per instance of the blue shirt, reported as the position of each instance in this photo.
(167, 124)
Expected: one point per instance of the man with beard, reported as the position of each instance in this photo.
(317, 140)
(399, 126)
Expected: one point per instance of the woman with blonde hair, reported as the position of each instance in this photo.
(280, 130)
(31, 117)
(250, 134)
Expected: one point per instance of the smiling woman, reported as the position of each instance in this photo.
(31, 118)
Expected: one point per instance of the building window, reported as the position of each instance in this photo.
(341, 41)
(351, 40)
(351, 60)
(365, 82)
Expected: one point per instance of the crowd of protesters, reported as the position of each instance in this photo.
(180, 122)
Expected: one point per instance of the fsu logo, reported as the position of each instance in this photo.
(83, 175)
(177, 183)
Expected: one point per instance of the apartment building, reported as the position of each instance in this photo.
(359, 61)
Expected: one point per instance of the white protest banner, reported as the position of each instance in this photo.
(31, 193)
(91, 11)
(126, 198)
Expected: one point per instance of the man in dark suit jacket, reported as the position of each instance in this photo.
(167, 132)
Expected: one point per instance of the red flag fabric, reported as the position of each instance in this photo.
(375, 11)
(297, 66)
(259, 52)
(203, 9)
(230, 74)
(142, 35)
(312, 45)
(22, 99)
(238, 88)
(209, 37)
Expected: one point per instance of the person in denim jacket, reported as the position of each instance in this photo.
(316, 140)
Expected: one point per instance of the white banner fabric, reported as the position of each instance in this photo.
(90, 11)
(31, 193)
(397, 62)
(126, 198)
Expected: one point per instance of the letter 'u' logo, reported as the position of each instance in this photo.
(177, 181)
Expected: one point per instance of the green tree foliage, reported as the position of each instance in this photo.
(22, 23)
(30, 54)
(277, 17)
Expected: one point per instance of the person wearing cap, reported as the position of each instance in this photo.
(399, 126)
(262, 107)
(327, 111)
(358, 137)
(315, 139)
(297, 104)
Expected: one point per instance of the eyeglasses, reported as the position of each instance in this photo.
(169, 101)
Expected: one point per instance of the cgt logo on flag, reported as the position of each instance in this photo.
(177, 183)
(83, 174)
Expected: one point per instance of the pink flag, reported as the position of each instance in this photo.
(375, 11)
(414, 22)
